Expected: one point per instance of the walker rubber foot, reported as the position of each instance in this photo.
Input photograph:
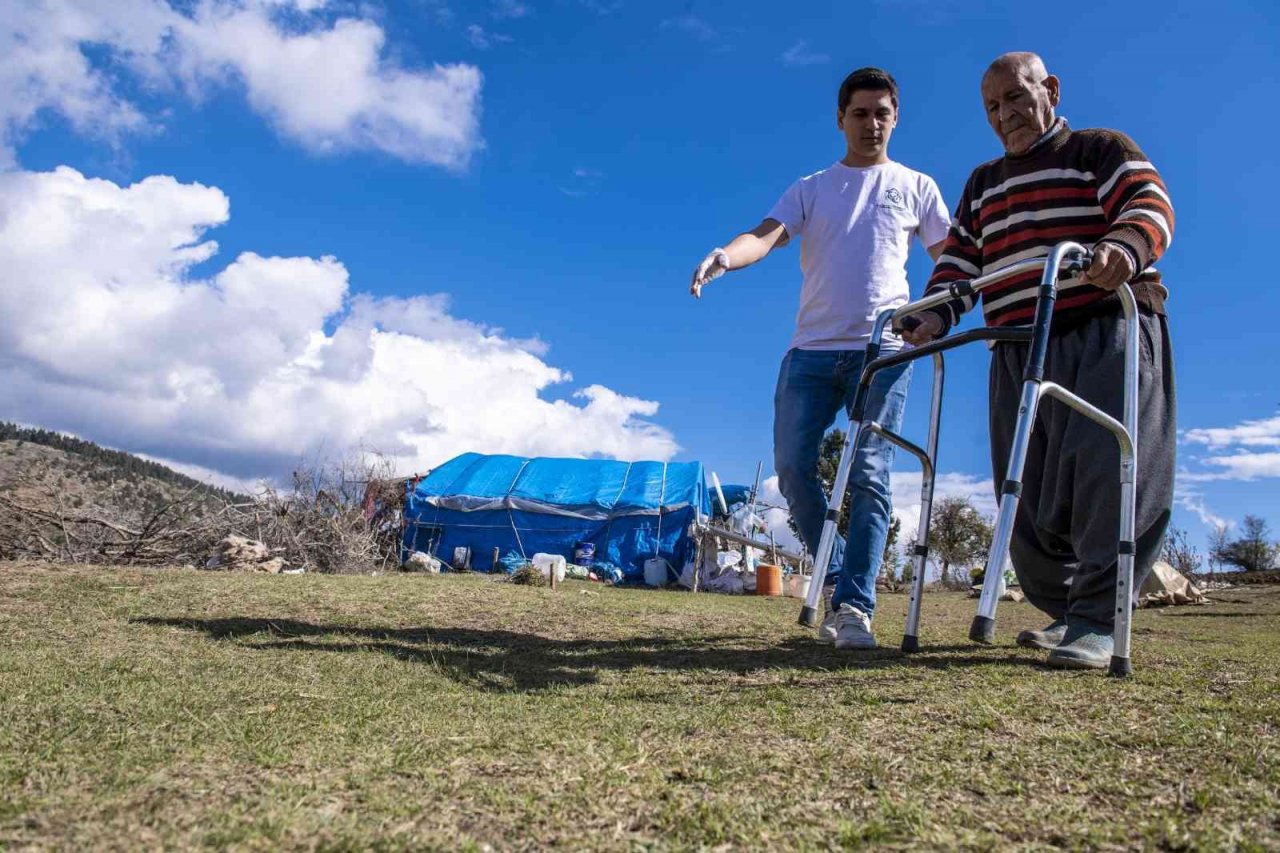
(983, 630)
(910, 643)
(809, 617)
(1120, 667)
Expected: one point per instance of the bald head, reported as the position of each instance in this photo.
(1022, 62)
(1019, 95)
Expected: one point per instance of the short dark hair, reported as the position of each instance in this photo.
(874, 79)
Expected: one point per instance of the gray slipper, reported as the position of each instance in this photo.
(1086, 645)
(1046, 638)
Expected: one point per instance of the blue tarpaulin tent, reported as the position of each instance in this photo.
(630, 511)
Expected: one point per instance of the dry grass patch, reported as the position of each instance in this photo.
(181, 708)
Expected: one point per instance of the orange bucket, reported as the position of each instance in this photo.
(768, 579)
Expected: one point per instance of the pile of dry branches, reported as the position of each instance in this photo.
(37, 523)
(320, 524)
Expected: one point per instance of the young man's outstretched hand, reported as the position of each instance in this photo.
(747, 248)
(713, 265)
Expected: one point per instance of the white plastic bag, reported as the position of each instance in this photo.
(421, 562)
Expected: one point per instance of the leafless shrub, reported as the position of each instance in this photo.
(337, 519)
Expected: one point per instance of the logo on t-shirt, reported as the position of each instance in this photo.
(893, 197)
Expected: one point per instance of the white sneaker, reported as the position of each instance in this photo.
(853, 629)
(827, 630)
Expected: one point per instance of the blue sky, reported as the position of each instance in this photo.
(438, 222)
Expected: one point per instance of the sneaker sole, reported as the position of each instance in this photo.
(849, 647)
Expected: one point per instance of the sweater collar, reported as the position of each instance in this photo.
(1059, 126)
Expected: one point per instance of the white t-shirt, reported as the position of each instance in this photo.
(855, 227)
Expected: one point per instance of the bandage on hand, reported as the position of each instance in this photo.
(713, 266)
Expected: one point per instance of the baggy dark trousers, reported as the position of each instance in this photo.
(1067, 527)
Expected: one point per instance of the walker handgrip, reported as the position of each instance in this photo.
(1078, 263)
(901, 318)
(908, 324)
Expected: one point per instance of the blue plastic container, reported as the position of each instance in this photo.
(584, 554)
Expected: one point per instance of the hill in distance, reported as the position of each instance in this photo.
(37, 463)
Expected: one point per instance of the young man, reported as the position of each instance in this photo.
(855, 220)
(1097, 188)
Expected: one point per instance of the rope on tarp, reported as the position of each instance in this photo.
(662, 494)
(608, 525)
(511, 515)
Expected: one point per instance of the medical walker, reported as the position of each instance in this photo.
(1067, 257)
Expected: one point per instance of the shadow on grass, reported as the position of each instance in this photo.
(509, 661)
(1240, 614)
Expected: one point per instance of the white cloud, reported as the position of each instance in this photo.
(602, 7)
(439, 10)
(1242, 466)
(583, 183)
(507, 9)
(240, 485)
(1259, 433)
(692, 25)
(269, 360)
(1233, 453)
(905, 489)
(800, 54)
(1189, 498)
(322, 81)
(776, 518)
(42, 66)
(482, 39)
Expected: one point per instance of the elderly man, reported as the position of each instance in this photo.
(1097, 188)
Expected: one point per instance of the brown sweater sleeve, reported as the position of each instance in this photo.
(1133, 198)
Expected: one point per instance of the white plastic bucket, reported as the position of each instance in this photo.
(797, 586)
(656, 572)
(548, 563)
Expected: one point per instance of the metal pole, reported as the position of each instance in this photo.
(734, 536)
(1121, 665)
(911, 633)
(755, 492)
(715, 481)
(963, 289)
(984, 623)
(826, 544)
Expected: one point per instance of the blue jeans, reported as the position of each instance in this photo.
(813, 386)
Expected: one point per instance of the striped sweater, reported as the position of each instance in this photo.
(1089, 186)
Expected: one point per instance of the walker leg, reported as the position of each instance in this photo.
(983, 629)
(919, 557)
(809, 613)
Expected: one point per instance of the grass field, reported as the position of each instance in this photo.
(181, 708)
